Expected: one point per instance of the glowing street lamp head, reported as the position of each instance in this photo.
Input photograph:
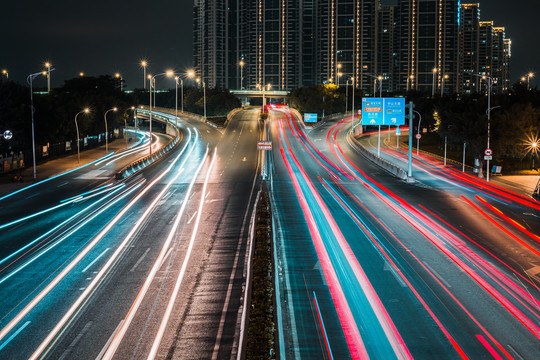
(434, 70)
(115, 108)
(133, 108)
(339, 66)
(198, 80)
(379, 78)
(446, 76)
(81, 74)
(241, 63)
(523, 78)
(44, 73)
(144, 63)
(47, 64)
(117, 75)
(169, 73)
(149, 76)
(86, 110)
(191, 73)
(530, 75)
(4, 71)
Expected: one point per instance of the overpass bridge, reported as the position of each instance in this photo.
(274, 94)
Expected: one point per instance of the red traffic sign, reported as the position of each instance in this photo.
(418, 136)
(488, 152)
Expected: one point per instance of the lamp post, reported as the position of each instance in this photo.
(125, 124)
(534, 146)
(529, 76)
(118, 76)
(5, 72)
(107, 130)
(338, 73)
(433, 85)
(418, 132)
(241, 63)
(30, 80)
(442, 84)
(81, 74)
(198, 80)
(86, 111)
(48, 66)
(409, 79)
(144, 63)
(168, 73)
(347, 96)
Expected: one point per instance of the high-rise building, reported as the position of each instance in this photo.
(429, 32)
(387, 57)
(425, 45)
(469, 43)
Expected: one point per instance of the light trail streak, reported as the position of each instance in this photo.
(63, 238)
(328, 347)
(53, 177)
(432, 236)
(351, 332)
(55, 281)
(62, 204)
(172, 300)
(115, 343)
(397, 270)
(72, 264)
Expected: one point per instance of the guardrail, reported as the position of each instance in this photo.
(382, 163)
(140, 164)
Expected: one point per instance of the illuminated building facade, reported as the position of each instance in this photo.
(429, 40)
(469, 47)
(387, 55)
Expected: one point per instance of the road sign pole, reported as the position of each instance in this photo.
(410, 137)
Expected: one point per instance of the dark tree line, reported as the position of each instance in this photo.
(54, 116)
(461, 119)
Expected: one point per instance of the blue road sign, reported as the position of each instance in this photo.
(310, 118)
(383, 111)
(398, 131)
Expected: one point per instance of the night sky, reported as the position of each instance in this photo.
(103, 37)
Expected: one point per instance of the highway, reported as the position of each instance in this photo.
(370, 266)
(152, 266)
(367, 265)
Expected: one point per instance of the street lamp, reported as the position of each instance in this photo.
(433, 85)
(418, 133)
(144, 63)
(118, 76)
(5, 72)
(535, 150)
(86, 111)
(81, 74)
(176, 78)
(529, 76)
(30, 81)
(168, 73)
(106, 129)
(442, 85)
(409, 79)
(241, 63)
(48, 66)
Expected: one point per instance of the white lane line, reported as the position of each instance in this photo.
(96, 259)
(172, 300)
(102, 352)
(191, 218)
(233, 273)
(109, 354)
(75, 341)
(140, 260)
(166, 256)
(14, 335)
(437, 275)
(207, 195)
(112, 259)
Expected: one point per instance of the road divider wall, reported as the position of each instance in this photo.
(140, 164)
(382, 163)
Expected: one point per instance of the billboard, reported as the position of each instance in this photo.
(383, 111)
(310, 118)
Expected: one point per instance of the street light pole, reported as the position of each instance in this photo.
(241, 63)
(30, 80)
(204, 98)
(143, 64)
(418, 132)
(153, 86)
(106, 129)
(48, 66)
(119, 76)
(5, 72)
(433, 85)
(442, 84)
(77, 127)
(176, 103)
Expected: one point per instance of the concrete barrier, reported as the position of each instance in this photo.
(386, 165)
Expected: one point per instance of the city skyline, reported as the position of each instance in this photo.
(95, 41)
